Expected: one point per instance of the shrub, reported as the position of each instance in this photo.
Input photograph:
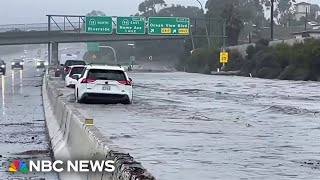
(236, 61)
(300, 61)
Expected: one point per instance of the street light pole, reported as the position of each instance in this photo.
(114, 52)
(205, 23)
(271, 19)
(192, 40)
(132, 53)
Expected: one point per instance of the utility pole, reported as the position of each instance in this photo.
(205, 23)
(306, 21)
(271, 19)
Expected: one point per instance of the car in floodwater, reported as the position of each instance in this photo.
(28, 59)
(68, 64)
(3, 67)
(74, 71)
(41, 63)
(17, 63)
(103, 82)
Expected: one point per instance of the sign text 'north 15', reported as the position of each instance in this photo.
(98, 24)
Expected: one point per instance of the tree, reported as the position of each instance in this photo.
(151, 7)
(283, 11)
(181, 11)
(313, 12)
(96, 13)
(234, 25)
(235, 12)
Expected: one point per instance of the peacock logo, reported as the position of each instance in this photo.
(18, 165)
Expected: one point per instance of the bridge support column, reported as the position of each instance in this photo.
(55, 53)
(49, 53)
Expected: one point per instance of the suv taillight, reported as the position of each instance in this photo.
(88, 80)
(125, 82)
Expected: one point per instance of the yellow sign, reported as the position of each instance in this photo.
(166, 30)
(224, 57)
(183, 31)
(88, 122)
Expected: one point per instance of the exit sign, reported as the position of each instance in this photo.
(168, 26)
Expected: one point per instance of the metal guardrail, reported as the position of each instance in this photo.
(61, 26)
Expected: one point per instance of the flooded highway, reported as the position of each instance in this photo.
(193, 126)
(23, 133)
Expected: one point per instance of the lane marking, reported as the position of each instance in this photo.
(11, 74)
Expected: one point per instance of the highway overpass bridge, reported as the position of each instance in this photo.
(43, 37)
(70, 29)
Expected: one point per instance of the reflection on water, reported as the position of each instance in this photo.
(21, 81)
(3, 90)
(12, 81)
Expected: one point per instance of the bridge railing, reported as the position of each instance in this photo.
(200, 28)
(61, 26)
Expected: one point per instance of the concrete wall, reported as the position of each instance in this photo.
(72, 139)
(242, 48)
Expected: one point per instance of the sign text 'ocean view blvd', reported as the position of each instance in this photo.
(168, 26)
(99, 24)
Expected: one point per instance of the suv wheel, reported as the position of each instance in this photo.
(127, 101)
(56, 74)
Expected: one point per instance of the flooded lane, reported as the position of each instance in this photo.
(193, 126)
(23, 132)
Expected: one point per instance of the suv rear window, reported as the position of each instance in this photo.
(74, 62)
(76, 70)
(102, 74)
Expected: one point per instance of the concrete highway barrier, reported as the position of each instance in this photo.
(72, 139)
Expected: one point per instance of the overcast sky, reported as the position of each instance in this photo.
(30, 11)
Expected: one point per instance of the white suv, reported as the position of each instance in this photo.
(102, 82)
(74, 71)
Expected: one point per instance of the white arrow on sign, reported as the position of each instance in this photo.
(152, 30)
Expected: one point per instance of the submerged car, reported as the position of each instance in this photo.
(75, 71)
(107, 83)
(70, 63)
(17, 63)
(41, 63)
(3, 67)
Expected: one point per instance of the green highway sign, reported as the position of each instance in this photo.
(99, 24)
(131, 25)
(168, 26)
(92, 46)
(132, 58)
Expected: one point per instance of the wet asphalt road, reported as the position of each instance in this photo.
(23, 133)
(193, 126)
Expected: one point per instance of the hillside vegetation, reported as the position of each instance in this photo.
(298, 62)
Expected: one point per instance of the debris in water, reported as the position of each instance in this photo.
(249, 125)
